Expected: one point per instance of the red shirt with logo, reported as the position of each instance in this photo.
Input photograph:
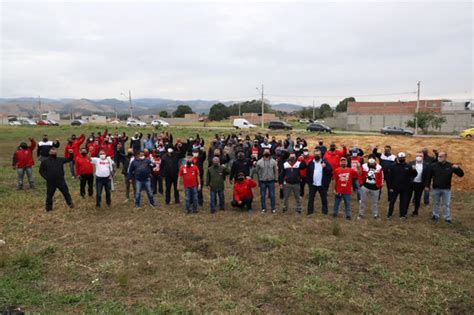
(190, 175)
(343, 179)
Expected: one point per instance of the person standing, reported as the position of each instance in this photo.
(321, 147)
(140, 171)
(84, 169)
(371, 181)
(199, 156)
(399, 178)
(333, 156)
(157, 179)
(52, 170)
(343, 179)
(243, 195)
(104, 168)
(23, 162)
(420, 182)
(169, 170)
(307, 158)
(386, 159)
(440, 175)
(318, 177)
(290, 181)
(191, 183)
(267, 173)
(44, 146)
(215, 181)
(126, 160)
(241, 164)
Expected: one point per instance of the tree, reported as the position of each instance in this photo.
(325, 110)
(425, 120)
(164, 114)
(182, 110)
(219, 112)
(253, 106)
(342, 106)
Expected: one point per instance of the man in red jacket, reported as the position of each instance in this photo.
(243, 195)
(23, 162)
(85, 172)
(333, 156)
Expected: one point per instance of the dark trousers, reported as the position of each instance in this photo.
(324, 198)
(416, 192)
(302, 184)
(127, 186)
(200, 196)
(157, 184)
(171, 181)
(246, 203)
(51, 189)
(89, 180)
(404, 201)
(102, 183)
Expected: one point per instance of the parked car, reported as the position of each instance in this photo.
(27, 121)
(278, 124)
(468, 133)
(304, 121)
(391, 130)
(136, 123)
(318, 127)
(159, 122)
(43, 122)
(14, 123)
(78, 122)
(53, 122)
(240, 123)
(115, 122)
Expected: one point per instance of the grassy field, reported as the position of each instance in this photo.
(157, 261)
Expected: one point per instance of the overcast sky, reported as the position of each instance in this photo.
(188, 50)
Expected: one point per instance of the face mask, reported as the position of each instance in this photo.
(320, 143)
(91, 139)
(354, 154)
(305, 153)
(371, 161)
(240, 179)
(333, 148)
(343, 165)
(102, 156)
(240, 157)
(317, 158)
(292, 159)
(217, 155)
(266, 154)
(24, 147)
(129, 154)
(83, 153)
(45, 139)
(195, 154)
(215, 164)
(401, 160)
(419, 159)
(387, 152)
(53, 155)
(188, 163)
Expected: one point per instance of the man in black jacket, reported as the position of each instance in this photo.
(52, 170)
(420, 182)
(441, 174)
(169, 170)
(44, 146)
(318, 177)
(290, 180)
(400, 178)
(241, 164)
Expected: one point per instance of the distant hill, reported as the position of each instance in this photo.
(141, 106)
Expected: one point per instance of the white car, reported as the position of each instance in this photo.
(14, 123)
(27, 121)
(136, 123)
(160, 122)
(240, 123)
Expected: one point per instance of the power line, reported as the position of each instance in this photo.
(357, 95)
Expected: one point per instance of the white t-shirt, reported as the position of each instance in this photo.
(318, 174)
(103, 168)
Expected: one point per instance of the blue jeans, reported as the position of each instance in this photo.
(191, 195)
(143, 184)
(21, 174)
(72, 167)
(439, 194)
(270, 185)
(347, 201)
(214, 195)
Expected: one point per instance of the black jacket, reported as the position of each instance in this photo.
(43, 148)
(327, 174)
(169, 165)
(52, 169)
(291, 174)
(425, 174)
(400, 176)
(442, 173)
(240, 166)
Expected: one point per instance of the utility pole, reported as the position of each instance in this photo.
(130, 103)
(313, 110)
(417, 107)
(263, 110)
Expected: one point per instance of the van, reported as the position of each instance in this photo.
(241, 123)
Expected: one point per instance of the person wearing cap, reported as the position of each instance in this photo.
(243, 195)
(370, 181)
(199, 156)
(440, 176)
(399, 178)
(290, 180)
(191, 183)
(215, 181)
(267, 172)
(343, 177)
(23, 162)
(333, 156)
(169, 170)
(318, 177)
(420, 182)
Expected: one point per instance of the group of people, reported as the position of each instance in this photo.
(244, 162)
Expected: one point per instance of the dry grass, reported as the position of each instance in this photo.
(123, 260)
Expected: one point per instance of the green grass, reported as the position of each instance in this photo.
(127, 261)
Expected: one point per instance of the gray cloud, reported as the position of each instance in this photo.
(223, 51)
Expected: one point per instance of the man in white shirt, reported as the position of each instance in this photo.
(104, 168)
(420, 182)
(318, 177)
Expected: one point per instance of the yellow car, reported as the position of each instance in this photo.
(468, 133)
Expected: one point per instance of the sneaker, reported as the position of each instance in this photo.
(274, 211)
(403, 218)
(348, 217)
(376, 217)
(334, 215)
(264, 210)
(153, 206)
(20, 188)
(414, 214)
(249, 211)
(71, 205)
(298, 211)
(448, 222)
(389, 217)
(434, 219)
(283, 210)
(360, 217)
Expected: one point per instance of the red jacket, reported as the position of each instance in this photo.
(334, 157)
(377, 175)
(102, 137)
(243, 190)
(24, 157)
(83, 166)
(66, 151)
(306, 159)
(109, 148)
(76, 145)
(93, 149)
